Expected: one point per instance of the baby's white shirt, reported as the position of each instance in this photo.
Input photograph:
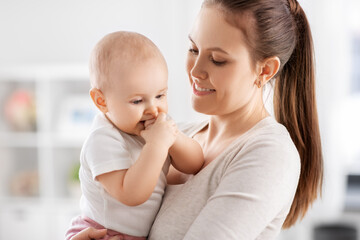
(108, 149)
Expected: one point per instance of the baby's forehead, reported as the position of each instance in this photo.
(140, 78)
(134, 53)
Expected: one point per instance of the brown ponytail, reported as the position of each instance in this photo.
(295, 108)
(280, 28)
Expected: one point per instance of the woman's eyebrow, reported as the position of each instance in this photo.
(191, 39)
(210, 49)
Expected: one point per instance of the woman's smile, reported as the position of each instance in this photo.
(199, 91)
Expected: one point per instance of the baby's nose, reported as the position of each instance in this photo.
(152, 110)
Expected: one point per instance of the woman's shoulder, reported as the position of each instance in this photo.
(269, 130)
(266, 150)
(270, 140)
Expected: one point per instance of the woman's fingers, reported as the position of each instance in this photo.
(89, 234)
(115, 238)
(97, 233)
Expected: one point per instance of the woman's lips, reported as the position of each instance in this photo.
(199, 91)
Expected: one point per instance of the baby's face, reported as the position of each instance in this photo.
(139, 94)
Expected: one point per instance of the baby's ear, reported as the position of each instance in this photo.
(99, 99)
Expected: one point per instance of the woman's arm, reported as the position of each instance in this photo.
(186, 155)
(135, 185)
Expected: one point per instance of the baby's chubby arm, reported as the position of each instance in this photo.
(186, 154)
(135, 185)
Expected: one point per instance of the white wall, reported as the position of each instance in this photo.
(64, 32)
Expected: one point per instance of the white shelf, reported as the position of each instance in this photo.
(22, 139)
(36, 140)
(13, 202)
(53, 148)
(37, 218)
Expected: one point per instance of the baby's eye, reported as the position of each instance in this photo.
(138, 101)
(160, 96)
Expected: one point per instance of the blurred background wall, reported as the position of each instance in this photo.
(44, 103)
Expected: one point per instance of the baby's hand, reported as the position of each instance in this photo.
(162, 131)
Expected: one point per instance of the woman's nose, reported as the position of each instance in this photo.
(197, 71)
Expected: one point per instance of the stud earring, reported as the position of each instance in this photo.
(258, 84)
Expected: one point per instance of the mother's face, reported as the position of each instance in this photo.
(219, 66)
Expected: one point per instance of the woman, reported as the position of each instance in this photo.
(259, 174)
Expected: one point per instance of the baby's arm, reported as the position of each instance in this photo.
(135, 185)
(186, 154)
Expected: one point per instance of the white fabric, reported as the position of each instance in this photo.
(107, 149)
(245, 193)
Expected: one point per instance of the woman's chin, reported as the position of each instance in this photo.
(203, 108)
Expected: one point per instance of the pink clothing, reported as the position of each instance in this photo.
(80, 223)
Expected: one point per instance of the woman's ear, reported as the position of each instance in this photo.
(269, 67)
(99, 99)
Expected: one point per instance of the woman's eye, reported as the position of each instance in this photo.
(217, 63)
(136, 101)
(193, 51)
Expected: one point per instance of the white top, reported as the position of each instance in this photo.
(107, 149)
(245, 193)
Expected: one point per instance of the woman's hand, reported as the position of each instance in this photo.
(91, 233)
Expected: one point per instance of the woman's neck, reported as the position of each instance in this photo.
(223, 130)
(234, 124)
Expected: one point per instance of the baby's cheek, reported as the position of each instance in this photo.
(164, 108)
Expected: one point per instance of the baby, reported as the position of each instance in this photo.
(126, 157)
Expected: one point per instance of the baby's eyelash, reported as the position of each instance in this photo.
(136, 101)
(161, 95)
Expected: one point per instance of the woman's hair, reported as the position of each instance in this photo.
(280, 28)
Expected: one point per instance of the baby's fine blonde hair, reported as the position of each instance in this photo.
(123, 46)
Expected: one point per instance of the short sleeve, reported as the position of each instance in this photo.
(106, 151)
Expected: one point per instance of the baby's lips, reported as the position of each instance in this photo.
(149, 122)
